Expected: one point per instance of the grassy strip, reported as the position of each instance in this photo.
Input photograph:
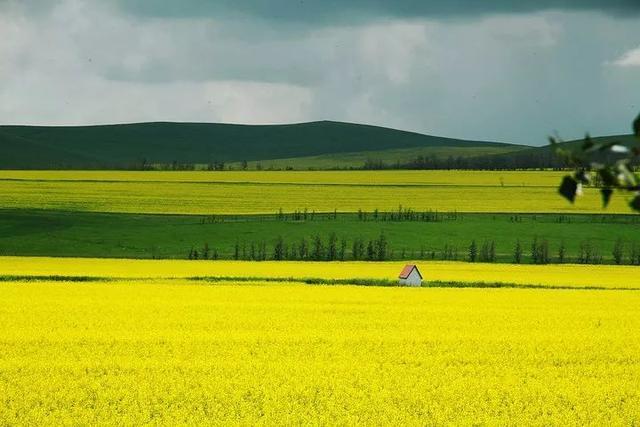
(313, 281)
(491, 285)
(393, 283)
(149, 236)
(56, 278)
(304, 280)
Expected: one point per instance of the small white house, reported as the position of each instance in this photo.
(410, 276)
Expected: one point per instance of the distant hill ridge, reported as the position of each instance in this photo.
(126, 145)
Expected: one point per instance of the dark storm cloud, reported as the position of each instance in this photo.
(340, 11)
(510, 71)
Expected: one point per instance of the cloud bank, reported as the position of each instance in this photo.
(499, 72)
(629, 59)
(332, 11)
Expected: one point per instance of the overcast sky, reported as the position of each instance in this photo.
(461, 68)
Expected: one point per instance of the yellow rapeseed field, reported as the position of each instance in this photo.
(178, 353)
(403, 177)
(566, 275)
(267, 192)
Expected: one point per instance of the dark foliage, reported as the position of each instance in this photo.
(607, 165)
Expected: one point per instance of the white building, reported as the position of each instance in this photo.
(410, 276)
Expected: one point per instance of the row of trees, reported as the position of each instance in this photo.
(205, 253)
(406, 214)
(484, 253)
(315, 249)
(402, 214)
(529, 159)
(626, 253)
(539, 159)
(301, 215)
(588, 253)
(178, 166)
(538, 251)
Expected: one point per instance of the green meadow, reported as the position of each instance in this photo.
(86, 234)
(421, 214)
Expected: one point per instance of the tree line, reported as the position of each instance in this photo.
(333, 248)
(315, 249)
(402, 214)
(538, 159)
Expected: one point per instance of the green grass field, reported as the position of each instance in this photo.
(41, 233)
(166, 214)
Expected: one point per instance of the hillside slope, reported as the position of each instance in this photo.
(124, 145)
(545, 156)
(390, 157)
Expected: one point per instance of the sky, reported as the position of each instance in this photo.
(484, 70)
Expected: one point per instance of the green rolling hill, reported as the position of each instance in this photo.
(323, 144)
(471, 156)
(545, 156)
(389, 157)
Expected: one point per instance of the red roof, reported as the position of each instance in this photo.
(406, 271)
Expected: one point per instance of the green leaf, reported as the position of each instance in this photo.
(628, 176)
(568, 188)
(606, 196)
(608, 177)
(582, 176)
(635, 203)
(636, 126)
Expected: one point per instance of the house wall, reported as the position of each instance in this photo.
(413, 279)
